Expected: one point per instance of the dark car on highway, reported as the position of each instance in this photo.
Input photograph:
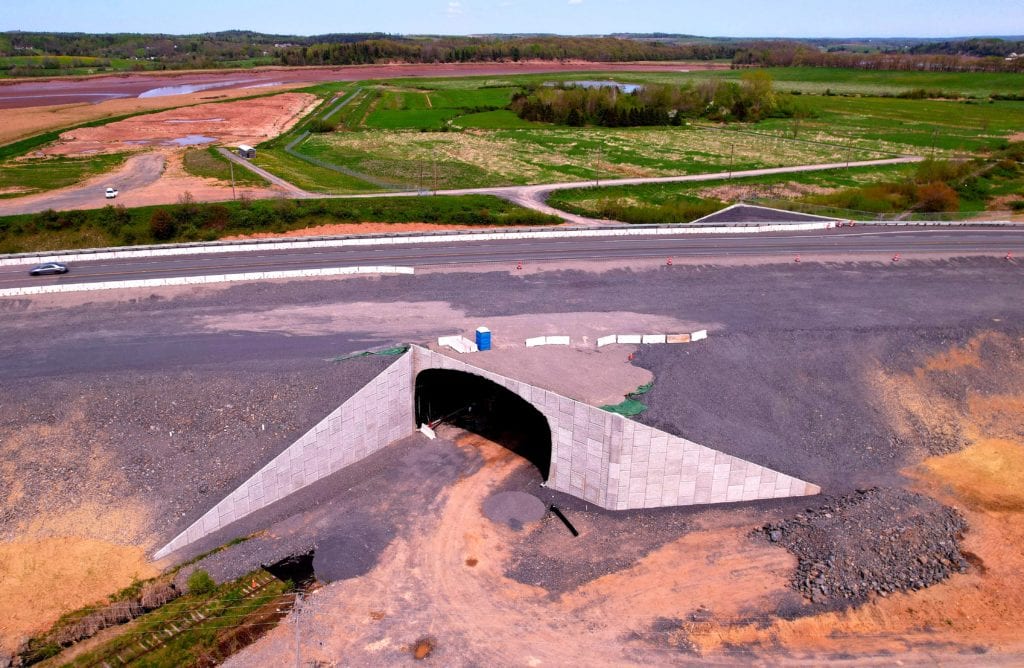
(48, 268)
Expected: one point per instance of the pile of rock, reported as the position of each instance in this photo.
(872, 541)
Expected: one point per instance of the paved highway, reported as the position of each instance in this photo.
(850, 243)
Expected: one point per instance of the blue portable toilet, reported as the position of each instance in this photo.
(483, 339)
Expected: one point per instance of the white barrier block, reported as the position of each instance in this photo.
(459, 344)
(630, 338)
(428, 432)
(699, 336)
(653, 338)
(557, 340)
(537, 341)
(605, 341)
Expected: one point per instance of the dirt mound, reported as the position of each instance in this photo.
(872, 541)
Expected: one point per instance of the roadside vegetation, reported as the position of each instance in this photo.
(933, 189)
(192, 221)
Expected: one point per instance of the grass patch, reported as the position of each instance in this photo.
(209, 163)
(118, 226)
(225, 608)
(38, 175)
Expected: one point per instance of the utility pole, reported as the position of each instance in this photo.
(732, 159)
(434, 163)
(597, 166)
(231, 164)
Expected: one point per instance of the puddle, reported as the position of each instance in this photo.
(189, 140)
(137, 142)
(624, 87)
(188, 88)
(195, 120)
(265, 85)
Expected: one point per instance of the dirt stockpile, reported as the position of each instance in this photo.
(874, 541)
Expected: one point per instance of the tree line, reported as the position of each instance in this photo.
(792, 54)
(752, 99)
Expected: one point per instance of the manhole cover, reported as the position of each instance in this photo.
(514, 508)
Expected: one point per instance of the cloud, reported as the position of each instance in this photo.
(575, 2)
(454, 8)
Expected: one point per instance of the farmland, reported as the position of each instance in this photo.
(447, 133)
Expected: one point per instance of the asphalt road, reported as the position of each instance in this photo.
(847, 243)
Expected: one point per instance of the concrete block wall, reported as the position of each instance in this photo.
(378, 414)
(620, 464)
(601, 457)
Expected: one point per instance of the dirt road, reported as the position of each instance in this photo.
(137, 172)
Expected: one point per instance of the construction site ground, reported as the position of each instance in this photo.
(140, 410)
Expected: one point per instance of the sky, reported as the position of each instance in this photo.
(739, 18)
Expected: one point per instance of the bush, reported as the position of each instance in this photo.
(162, 225)
(1017, 205)
(937, 197)
(200, 582)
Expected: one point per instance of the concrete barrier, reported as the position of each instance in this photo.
(548, 341)
(458, 343)
(699, 336)
(653, 338)
(340, 242)
(199, 280)
(630, 338)
(606, 340)
(677, 338)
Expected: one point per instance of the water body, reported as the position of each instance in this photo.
(624, 87)
(189, 88)
(189, 140)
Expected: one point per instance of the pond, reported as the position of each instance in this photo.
(624, 87)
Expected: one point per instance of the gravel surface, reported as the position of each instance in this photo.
(873, 541)
(347, 519)
(170, 443)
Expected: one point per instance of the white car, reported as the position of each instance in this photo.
(111, 193)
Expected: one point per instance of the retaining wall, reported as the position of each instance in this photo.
(601, 457)
(378, 414)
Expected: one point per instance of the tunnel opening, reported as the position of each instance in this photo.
(473, 403)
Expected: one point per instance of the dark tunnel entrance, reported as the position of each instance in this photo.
(483, 407)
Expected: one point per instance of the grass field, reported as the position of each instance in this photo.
(32, 176)
(455, 133)
(209, 163)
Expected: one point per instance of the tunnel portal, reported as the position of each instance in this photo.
(483, 407)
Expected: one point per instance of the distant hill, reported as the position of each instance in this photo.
(31, 53)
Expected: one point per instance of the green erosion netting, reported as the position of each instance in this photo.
(628, 408)
(387, 352)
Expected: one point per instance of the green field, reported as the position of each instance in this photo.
(18, 178)
(209, 163)
(455, 133)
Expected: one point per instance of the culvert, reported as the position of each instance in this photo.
(479, 405)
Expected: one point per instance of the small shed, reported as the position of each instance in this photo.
(246, 151)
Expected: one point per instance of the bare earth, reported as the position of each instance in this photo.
(228, 123)
(28, 121)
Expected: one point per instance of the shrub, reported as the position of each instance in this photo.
(162, 225)
(936, 197)
(200, 582)
(1017, 205)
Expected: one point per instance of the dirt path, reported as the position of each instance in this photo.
(447, 583)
